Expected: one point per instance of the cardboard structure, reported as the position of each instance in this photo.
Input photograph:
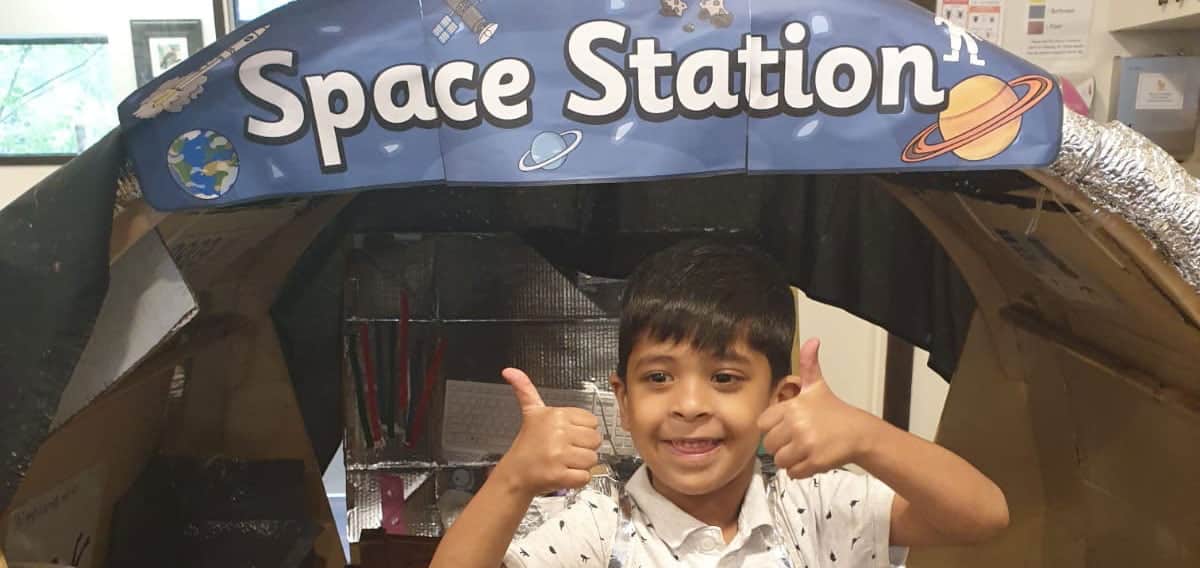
(1075, 379)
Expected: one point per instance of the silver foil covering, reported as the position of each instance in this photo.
(366, 511)
(1124, 173)
(496, 303)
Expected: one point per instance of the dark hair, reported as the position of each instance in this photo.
(710, 294)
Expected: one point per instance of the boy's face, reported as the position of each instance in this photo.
(692, 415)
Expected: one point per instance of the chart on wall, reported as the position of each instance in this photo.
(1054, 29)
(983, 18)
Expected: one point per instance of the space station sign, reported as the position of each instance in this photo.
(322, 97)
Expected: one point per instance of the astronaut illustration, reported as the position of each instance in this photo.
(958, 35)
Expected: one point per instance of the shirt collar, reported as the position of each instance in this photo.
(756, 510)
(673, 525)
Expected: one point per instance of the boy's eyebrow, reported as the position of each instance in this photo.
(732, 357)
(665, 359)
(658, 359)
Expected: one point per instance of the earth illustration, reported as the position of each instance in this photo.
(203, 163)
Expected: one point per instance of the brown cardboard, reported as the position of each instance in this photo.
(147, 304)
(205, 244)
(130, 225)
(239, 401)
(1083, 410)
(118, 431)
(1076, 391)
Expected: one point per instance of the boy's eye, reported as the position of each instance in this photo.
(658, 377)
(725, 378)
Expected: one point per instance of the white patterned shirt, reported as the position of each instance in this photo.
(839, 519)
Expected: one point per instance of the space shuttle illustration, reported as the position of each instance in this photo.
(176, 93)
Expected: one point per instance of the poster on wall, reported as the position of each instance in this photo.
(1054, 30)
(982, 18)
(159, 45)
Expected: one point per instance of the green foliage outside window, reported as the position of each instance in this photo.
(56, 95)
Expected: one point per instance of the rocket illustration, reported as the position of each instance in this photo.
(176, 93)
(468, 12)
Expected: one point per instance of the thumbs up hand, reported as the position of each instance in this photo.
(808, 428)
(555, 448)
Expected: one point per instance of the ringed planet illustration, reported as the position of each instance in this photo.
(549, 150)
(982, 119)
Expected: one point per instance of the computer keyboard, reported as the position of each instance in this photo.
(481, 419)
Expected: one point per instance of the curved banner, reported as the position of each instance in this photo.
(323, 96)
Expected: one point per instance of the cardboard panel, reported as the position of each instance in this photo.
(111, 440)
(240, 402)
(1106, 363)
(984, 405)
(147, 303)
(1134, 449)
(1105, 297)
(206, 244)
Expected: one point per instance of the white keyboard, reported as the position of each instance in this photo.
(482, 419)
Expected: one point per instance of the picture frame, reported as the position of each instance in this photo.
(159, 45)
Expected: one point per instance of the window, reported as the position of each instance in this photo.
(247, 10)
(56, 95)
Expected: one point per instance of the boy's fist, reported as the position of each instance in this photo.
(555, 448)
(808, 428)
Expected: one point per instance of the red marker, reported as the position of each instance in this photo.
(431, 373)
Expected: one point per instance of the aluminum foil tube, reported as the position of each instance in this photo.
(1124, 173)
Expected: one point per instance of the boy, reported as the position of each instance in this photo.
(705, 342)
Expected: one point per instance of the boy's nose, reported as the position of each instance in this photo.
(691, 401)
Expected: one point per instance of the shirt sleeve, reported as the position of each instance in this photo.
(578, 536)
(847, 517)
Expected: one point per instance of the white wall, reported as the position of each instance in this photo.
(106, 17)
(14, 180)
(929, 392)
(853, 352)
(853, 359)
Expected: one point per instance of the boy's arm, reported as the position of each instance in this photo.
(940, 498)
(555, 449)
(481, 535)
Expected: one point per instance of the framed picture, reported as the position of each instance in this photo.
(57, 97)
(159, 45)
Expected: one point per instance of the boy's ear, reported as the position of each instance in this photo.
(787, 388)
(621, 394)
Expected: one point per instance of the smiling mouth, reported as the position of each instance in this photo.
(694, 446)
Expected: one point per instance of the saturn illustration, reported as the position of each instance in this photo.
(982, 119)
(549, 150)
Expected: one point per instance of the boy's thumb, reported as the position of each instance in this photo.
(527, 394)
(810, 364)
